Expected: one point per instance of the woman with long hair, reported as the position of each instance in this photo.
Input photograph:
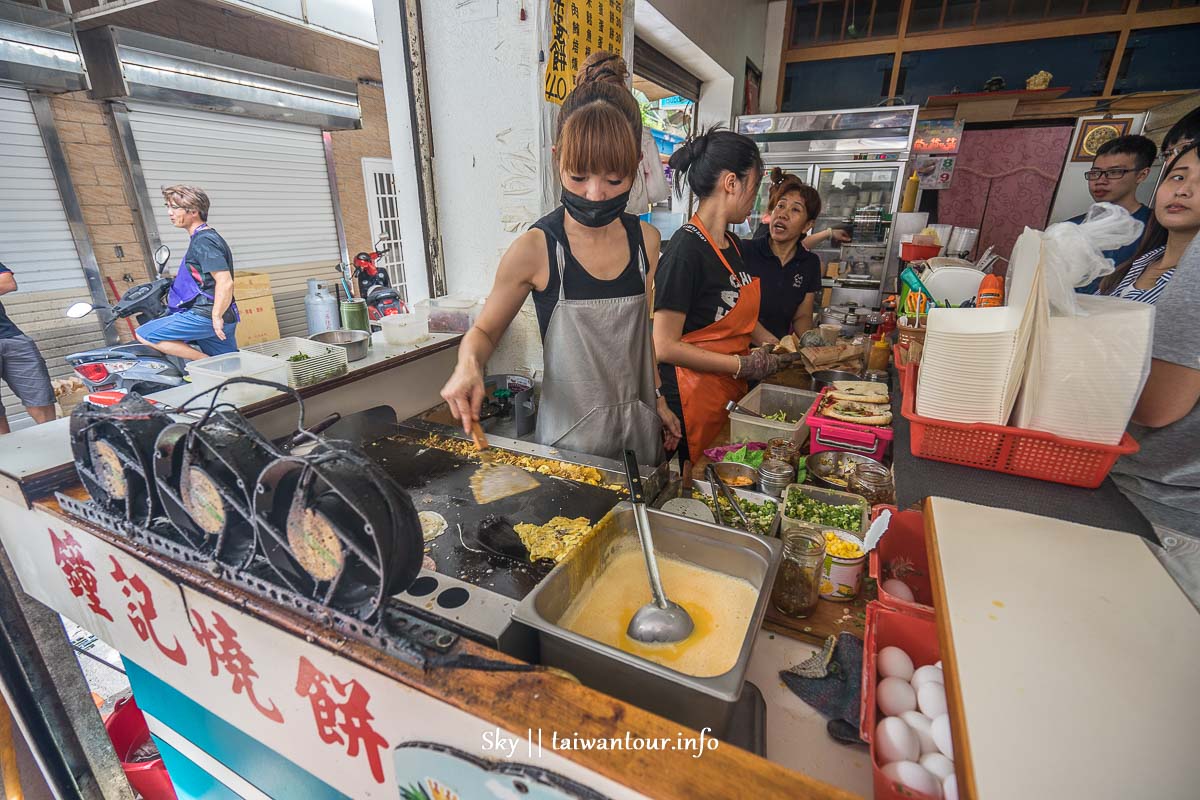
(586, 265)
(1173, 226)
(705, 302)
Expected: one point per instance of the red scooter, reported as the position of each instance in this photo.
(375, 285)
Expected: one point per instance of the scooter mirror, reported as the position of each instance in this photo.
(161, 255)
(80, 310)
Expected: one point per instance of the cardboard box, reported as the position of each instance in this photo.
(259, 323)
(250, 284)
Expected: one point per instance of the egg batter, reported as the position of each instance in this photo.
(720, 606)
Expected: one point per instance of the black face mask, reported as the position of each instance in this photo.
(594, 213)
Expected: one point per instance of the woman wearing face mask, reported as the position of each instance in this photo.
(790, 274)
(705, 303)
(586, 265)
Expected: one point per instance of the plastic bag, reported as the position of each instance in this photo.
(1072, 255)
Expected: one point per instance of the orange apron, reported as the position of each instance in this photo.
(704, 394)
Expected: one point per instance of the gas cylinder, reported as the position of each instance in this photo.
(320, 308)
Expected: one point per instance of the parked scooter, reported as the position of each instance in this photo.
(134, 367)
(375, 285)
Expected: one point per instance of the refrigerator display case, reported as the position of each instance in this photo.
(857, 160)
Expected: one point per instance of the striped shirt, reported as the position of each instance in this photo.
(1128, 291)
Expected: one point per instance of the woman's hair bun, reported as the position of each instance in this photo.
(777, 175)
(602, 66)
(689, 152)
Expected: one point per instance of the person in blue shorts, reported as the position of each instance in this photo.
(203, 316)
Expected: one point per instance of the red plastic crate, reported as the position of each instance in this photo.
(872, 441)
(905, 539)
(1001, 448)
(127, 728)
(917, 637)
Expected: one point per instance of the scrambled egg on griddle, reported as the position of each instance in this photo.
(555, 539)
(542, 466)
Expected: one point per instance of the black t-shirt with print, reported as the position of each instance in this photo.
(208, 253)
(691, 279)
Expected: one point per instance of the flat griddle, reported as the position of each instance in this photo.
(488, 553)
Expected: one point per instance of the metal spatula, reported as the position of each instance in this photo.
(492, 481)
(685, 505)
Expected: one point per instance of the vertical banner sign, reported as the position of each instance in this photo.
(579, 28)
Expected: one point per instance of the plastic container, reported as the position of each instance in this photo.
(770, 399)
(919, 252)
(830, 497)
(208, 372)
(127, 728)
(452, 314)
(872, 441)
(402, 330)
(915, 636)
(841, 577)
(902, 549)
(1015, 451)
(324, 361)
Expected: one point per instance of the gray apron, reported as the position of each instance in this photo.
(598, 385)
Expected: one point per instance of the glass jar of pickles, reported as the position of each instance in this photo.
(874, 483)
(798, 583)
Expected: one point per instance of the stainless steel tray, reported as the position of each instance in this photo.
(696, 702)
(756, 497)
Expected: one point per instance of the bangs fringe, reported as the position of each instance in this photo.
(598, 140)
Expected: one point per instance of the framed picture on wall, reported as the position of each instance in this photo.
(1093, 133)
(753, 88)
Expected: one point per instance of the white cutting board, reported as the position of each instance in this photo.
(1073, 659)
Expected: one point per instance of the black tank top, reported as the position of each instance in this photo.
(580, 285)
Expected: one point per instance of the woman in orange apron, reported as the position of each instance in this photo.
(705, 304)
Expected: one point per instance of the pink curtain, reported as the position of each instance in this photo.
(1004, 180)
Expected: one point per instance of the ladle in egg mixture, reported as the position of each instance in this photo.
(660, 620)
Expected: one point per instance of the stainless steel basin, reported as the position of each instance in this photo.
(696, 702)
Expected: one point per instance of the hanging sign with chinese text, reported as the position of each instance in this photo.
(579, 28)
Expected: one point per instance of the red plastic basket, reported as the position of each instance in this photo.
(904, 540)
(826, 433)
(1016, 451)
(917, 637)
(918, 252)
(127, 728)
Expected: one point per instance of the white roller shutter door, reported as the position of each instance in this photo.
(36, 244)
(269, 190)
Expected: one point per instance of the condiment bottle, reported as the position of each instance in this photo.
(783, 449)
(873, 483)
(798, 583)
(878, 358)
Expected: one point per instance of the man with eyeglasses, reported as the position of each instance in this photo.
(202, 319)
(1117, 171)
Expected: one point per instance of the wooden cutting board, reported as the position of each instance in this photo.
(830, 618)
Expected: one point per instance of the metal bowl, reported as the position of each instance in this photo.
(731, 471)
(832, 468)
(355, 342)
(825, 377)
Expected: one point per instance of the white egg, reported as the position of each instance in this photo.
(938, 764)
(922, 727)
(940, 730)
(915, 777)
(931, 699)
(895, 663)
(895, 696)
(898, 589)
(895, 741)
(950, 787)
(926, 674)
